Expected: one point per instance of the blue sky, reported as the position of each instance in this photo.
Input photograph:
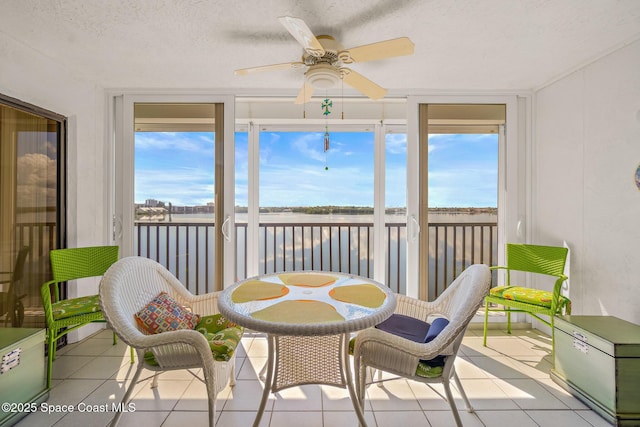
(178, 168)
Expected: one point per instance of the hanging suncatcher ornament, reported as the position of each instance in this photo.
(326, 110)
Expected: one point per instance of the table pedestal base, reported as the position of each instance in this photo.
(299, 360)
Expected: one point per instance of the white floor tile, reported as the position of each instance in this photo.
(529, 394)
(465, 368)
(346, 418)
(83, 419)
(189, 418)
(507, 382)
(102, 367)
(258, 348)
(497, 367)
(530, 366)
(241, 418)
(432, 397)
(143, 418)
(506, 418)
(395, 395)
(400, 418)
(485, 394)
(65, 366)
(593, 418)
(245, 396)
(446, 419)
(162, 398)
(338, 399)
(195, 398)
(296, 419)
(95, 347)
(302, 398)
(250, 368)
(558, 418)
(72, 391)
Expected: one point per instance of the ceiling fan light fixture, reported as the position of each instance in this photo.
(323, 76)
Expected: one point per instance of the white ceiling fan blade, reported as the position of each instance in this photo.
(305, 94)
(301, 32)
(363, 84)
(285, 66)
(380, 50)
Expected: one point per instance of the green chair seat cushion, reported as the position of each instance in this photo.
(222, 335)
(430, 368)
(75, 307)
(526, 295)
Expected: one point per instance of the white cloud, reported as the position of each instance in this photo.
(396, 143)
(310, 145)
(312, 185)
(158, 141)
(180, 186)
(36, 180)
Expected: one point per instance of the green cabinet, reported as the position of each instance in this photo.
(22, 372)
(597, 359)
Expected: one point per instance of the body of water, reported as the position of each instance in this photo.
(291, 241)
(436, 216)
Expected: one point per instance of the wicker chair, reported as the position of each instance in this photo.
(127, 287)
(385, 351)
(65, 315)
(547, 260)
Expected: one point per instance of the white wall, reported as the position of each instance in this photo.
(34, 78)
(585, 152)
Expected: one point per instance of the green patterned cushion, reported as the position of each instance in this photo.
(430, 368)
(223, 337)
(527, 295)
(75, 307)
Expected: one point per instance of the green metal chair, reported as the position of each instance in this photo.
(64, 316)
(548, 260)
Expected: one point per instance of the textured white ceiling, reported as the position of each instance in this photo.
(460, 44)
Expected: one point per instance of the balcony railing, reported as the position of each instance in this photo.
(186, 249)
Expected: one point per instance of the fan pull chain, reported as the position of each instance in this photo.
(342, 96)
(304, 101)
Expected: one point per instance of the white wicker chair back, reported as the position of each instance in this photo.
(127, 287)
(387, 352)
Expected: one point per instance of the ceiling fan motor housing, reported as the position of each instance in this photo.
(323, 76)
(323, 72)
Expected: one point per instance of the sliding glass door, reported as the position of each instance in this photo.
(32, 201)
(170, 201)
(461, 214)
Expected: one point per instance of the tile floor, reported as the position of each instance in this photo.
(507, 383)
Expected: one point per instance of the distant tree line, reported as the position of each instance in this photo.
(355, 210)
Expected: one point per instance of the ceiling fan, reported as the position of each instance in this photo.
(325, 60)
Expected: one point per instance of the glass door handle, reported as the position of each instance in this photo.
(415, 228)
(225, 228)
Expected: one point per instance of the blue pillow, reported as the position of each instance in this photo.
(406, 327)
(413, 329)
(436, 327)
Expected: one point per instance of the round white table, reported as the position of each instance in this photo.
(308, 317)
